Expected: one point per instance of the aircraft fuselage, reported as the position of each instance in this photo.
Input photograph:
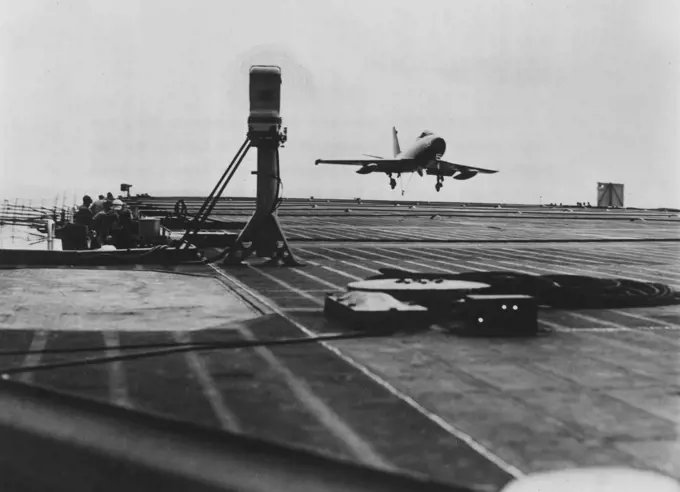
(423, 156)
(425, 150)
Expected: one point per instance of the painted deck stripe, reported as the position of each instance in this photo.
(445, 425)
(227, 419)
(38, 344)
(118, 388)
(343, 432)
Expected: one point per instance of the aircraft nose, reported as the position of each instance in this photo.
(438, 146)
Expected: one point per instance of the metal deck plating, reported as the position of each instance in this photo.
(602, 389)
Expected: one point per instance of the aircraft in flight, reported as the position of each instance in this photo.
(424, 156)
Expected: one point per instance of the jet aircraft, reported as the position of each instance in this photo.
(424, 156)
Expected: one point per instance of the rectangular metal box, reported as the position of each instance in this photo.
(499, 315)
(609, 195)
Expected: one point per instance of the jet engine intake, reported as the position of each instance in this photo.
(438, 146)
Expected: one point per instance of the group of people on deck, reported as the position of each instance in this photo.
(108, 221)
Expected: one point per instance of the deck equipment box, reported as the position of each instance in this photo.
(497, 315)
(376, 312)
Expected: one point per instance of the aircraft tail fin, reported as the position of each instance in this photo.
(395, 142)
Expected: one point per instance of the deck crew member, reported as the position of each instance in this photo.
(98, 205)
(81, 229)
(83, 215)
(124, 234)
(103, 223)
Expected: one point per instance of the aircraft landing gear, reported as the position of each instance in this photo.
(393, 182)
(440, 183)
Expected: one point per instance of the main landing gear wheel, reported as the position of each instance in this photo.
(440, 183)
(393, 183)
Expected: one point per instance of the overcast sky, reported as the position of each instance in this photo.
(557, 95)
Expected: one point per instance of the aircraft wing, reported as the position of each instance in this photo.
(450, 166)
(360, 162)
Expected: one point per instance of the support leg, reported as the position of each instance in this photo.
(265, 238)
(263, 234)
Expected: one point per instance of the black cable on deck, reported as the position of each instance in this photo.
(184, 348)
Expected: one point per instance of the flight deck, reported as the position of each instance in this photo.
(597, 387)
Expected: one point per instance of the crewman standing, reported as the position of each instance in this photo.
(98, 205)
(76, 235)
(103, 223)
(83, 215)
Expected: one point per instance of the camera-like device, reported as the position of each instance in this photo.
(125, 188)
(264, 121)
